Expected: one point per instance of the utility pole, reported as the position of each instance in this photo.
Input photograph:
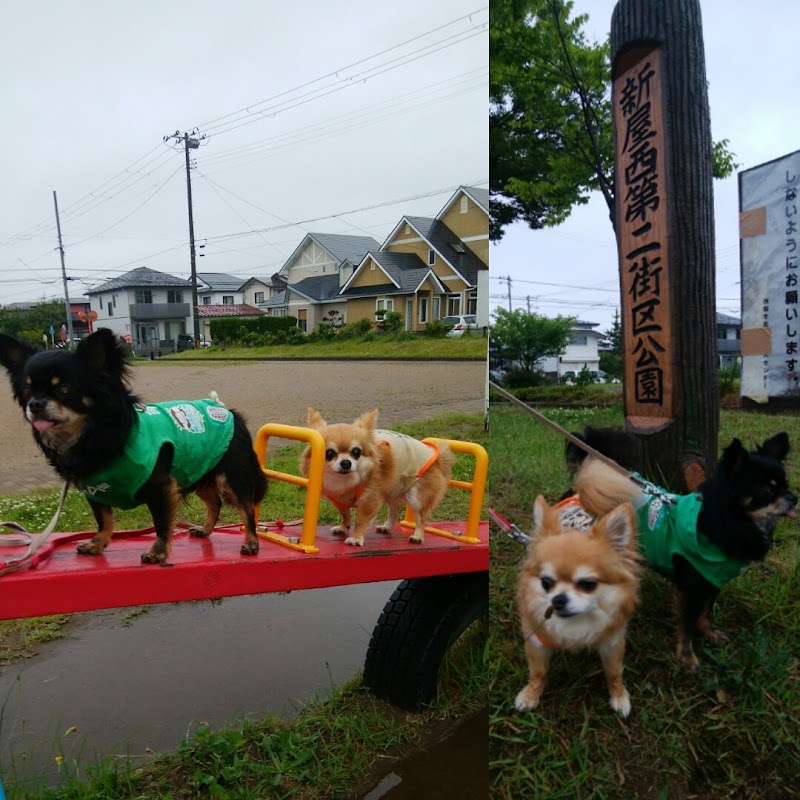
(63, 274)
(191, 143)
(507, 279)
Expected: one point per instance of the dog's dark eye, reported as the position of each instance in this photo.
(587, 584)
(330, 454)
(356, 452)
(547, 583)
(63, 390)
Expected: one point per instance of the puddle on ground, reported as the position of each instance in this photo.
(456, 768)
(132, 690)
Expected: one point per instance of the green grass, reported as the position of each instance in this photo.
(462, 347)
(732, 730)
(328, 749)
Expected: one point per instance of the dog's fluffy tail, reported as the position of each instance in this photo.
(446, 459)
(601, 488)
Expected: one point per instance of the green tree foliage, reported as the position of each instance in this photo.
(611, 354)
(32, 323)
(527, 338)
(550, 122)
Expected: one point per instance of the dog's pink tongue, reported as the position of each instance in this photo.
(792, 513)
(43, 424)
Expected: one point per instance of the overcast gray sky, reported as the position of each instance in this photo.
(752, 74)
(310, 110)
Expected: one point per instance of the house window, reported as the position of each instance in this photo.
(578, 339)
(302, 319)
(227, 299)
(259, 297)
(206, 301)
(453, 305)
(174, 296)
(422, 308)
(384, 304)
(472, 303)
(437, 308)
(143, 296)
(431, 258)
(464, 204)
(100, 298)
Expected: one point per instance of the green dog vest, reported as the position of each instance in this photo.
(667, 529)
(199, 431)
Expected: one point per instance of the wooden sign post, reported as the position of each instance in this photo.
(665, 236)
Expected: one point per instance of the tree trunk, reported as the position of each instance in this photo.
(665, 234)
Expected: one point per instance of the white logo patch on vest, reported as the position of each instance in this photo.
(93, 490)
(187, 418)
(218, 414)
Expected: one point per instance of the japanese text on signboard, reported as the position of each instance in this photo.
(643, 240)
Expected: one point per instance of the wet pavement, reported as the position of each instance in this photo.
(137, 688)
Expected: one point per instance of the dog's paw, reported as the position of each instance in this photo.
(383, 529)
(715, 636)
(249, 548)
(358, 541)
(687, 661)
(339, 530)
(527, 699)
(150, 557)
(196, 530)
(416, 539)
(621, 703)
(90, 549)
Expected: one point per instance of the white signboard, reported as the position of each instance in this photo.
(769, 217)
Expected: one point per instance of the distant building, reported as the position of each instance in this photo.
(582, 351)
(729, 341)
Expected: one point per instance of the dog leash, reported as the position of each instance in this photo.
(509, 528)
(34, 541)
(566, 434)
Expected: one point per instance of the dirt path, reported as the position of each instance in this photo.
(270, 392)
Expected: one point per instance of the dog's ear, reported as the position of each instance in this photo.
(315, 421)
(367, 420)
(618, 526)
(777, 446)
(14, 353)
(104, 354)
(540, 509)
(734, 458)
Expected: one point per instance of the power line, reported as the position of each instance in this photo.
(223, 123)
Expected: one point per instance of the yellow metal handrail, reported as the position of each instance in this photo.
(312, 484)
(476, 487)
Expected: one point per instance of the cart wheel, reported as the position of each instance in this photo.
(423, 617)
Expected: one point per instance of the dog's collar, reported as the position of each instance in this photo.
(544, 640)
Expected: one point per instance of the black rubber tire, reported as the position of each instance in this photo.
(417, 626)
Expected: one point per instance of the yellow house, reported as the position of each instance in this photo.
(425, 270)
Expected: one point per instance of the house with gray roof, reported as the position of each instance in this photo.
(218, 288)
(313, 275)
(729, 340)
(149, 308)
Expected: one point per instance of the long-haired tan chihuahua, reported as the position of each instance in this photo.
(366, 467)
(578, 589)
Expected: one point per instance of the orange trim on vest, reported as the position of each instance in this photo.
(345, 506)
(546, 642)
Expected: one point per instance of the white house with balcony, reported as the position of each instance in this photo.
(582, 350)
(150, 309)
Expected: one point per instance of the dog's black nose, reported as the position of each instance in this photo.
(345, 465)
(37, 404)
(560, 602)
